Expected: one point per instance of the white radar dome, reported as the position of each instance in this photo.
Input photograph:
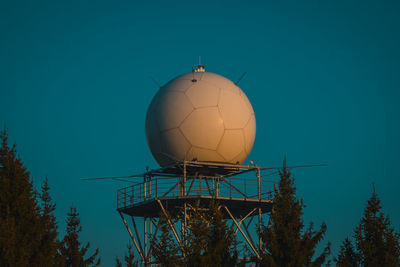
(200, 116)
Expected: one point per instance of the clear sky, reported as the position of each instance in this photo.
(323, 78)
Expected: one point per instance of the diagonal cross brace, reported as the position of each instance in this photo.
(244, 235)
(244, 218)
(172, 227)
(152, 241)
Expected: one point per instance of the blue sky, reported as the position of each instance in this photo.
(322, 76)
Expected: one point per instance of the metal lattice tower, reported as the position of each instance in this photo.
(173, 190)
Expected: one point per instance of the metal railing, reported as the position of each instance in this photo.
(167, 187)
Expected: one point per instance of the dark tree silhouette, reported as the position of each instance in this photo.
(118, 263)
(21, 231)
(376, 242)
(211, 241)
(47, 250)
(347, 256)
(222, 246)
(71, 248)
(285, 241)
(129, 258)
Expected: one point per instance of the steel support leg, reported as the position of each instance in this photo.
(133, 238)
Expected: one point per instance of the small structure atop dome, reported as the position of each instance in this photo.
(200, 68)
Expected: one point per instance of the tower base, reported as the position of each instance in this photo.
(171, 192)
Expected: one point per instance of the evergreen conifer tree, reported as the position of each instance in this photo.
(71, 248)
(118, 263)
(47, 249)
(285, 241)
(377, 242)
(220, 246)
(347, 256)
(210, 241)
(165, 249)
(198, 237)
(20, 218)
(130, 257)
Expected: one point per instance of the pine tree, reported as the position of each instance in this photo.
(222, 246)
(47, 249)
(49, 244)
(130, 257)
(20, 218)
(118, 263)
(347, 257)
(376, 241)
(71, 250)
(165, 249)
(220, 242)
(285, 241)
(210, 241)
(198, 237)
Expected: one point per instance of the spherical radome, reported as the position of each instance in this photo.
(200, 116)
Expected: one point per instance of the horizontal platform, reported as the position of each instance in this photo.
(191, 168)
(239, 207)
(240, 188)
